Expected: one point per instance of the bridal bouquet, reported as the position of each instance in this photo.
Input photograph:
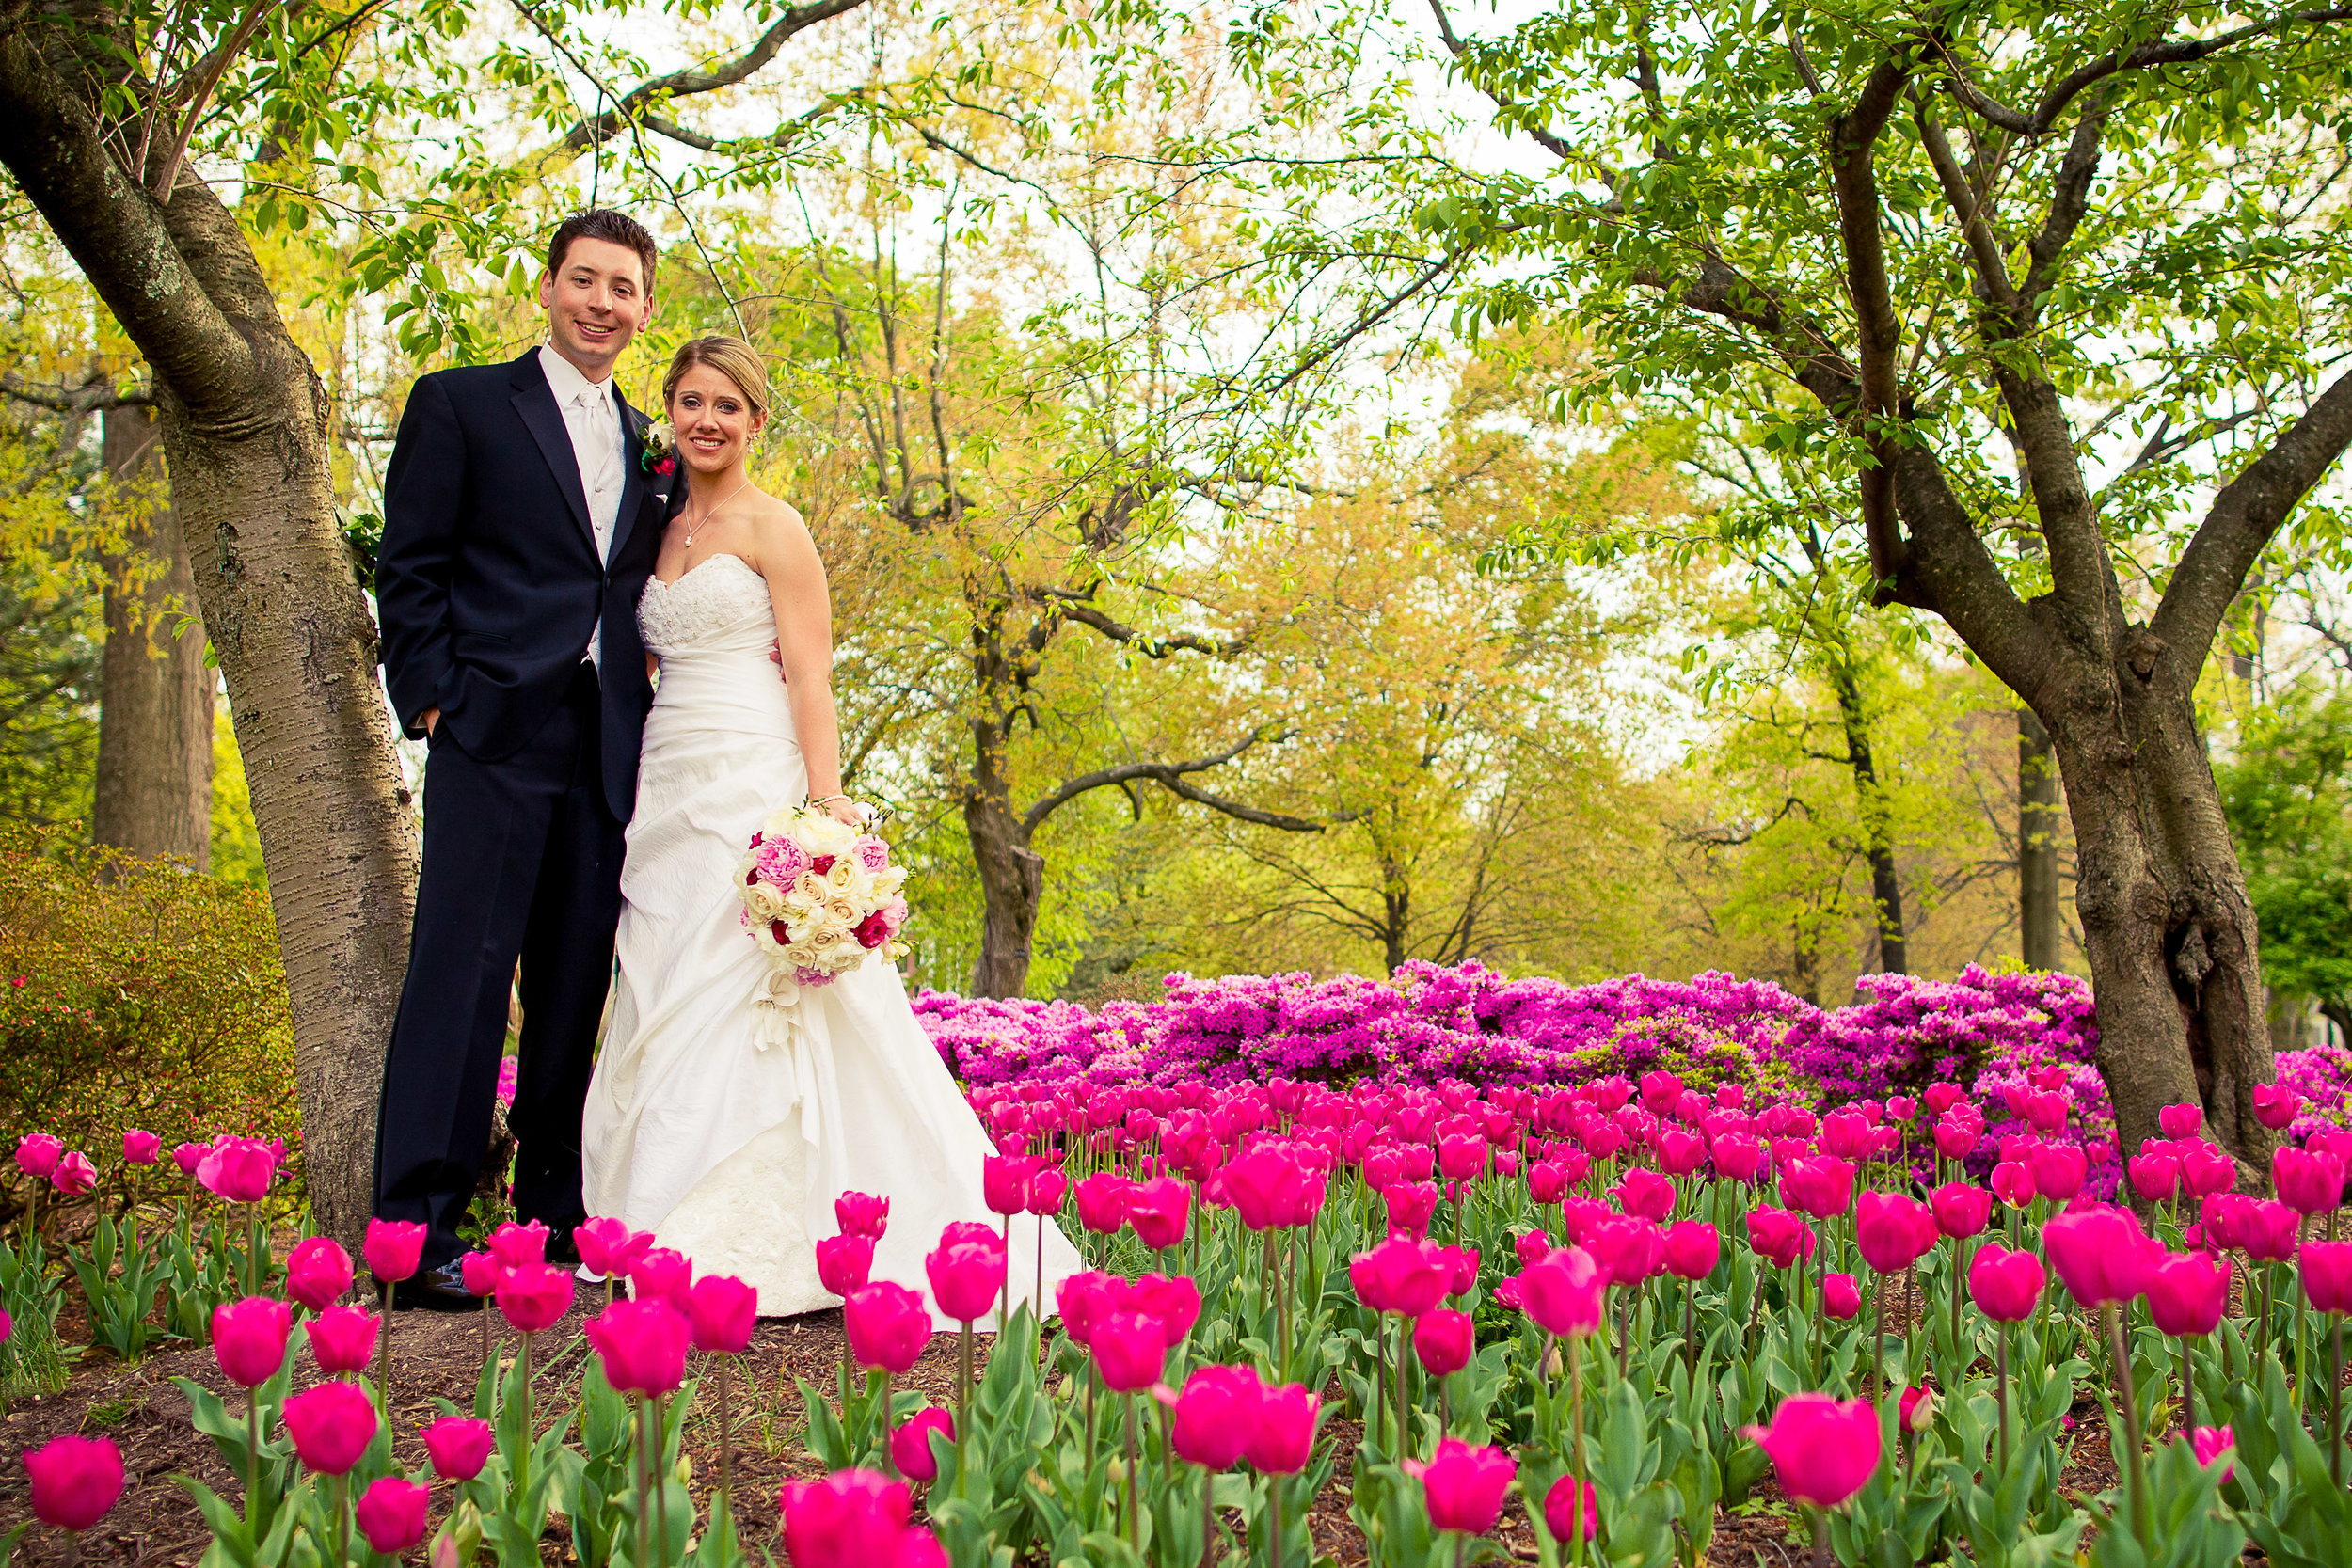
(818, 895)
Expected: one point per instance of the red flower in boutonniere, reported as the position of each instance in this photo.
(658, 448)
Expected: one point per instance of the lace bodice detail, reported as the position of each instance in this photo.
(719, 607)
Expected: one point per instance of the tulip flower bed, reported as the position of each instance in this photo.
(1603, 1322)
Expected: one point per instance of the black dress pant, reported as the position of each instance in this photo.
(522, 860)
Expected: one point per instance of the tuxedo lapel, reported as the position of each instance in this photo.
(632, 475)
(534, 400)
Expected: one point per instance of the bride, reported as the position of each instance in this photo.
(729, 1151)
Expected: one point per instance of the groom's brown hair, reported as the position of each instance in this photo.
(612, 228)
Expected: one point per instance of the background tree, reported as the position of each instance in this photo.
(2288, 794)
(1998, 251)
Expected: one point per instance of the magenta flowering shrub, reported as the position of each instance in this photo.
(1470, 1025)
(2323, 1075)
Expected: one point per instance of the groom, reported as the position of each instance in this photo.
(520, 521)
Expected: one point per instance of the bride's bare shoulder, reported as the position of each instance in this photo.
(780, 535)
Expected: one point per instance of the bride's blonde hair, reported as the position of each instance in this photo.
(731, 357)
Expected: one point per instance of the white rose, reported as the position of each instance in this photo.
(809, 886)
(888, 883)
(825, 836)
(843, 877)
(763, 902)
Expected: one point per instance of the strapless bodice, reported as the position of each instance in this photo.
(718, 608)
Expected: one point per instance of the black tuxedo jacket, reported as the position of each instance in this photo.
(487, 582)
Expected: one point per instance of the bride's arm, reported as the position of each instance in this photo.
(796, 586)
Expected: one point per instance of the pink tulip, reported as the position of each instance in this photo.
(1267, 1186)
(1173, 1304)
(75, 1481)
(318, 1272)
(1546, 1182)
(1462, 1158)
(2206, 1170)
(331, 1425)
(1463, 1261)
(2059, 1170)
(535, 1296)
(1841, 1298)
(481, 1274)
(8, 1325)
(74, 1174)
(188, 1156)
(888, 1325)
(249, 1339)
(2267, 1230)
(845, 1263)
(966, 1270)
(850, 1519)
(2155, 1176)
(1644, 1194)
(1285, 1437)
(140, 1148)
(1823, 1451)
(1777, 1236)
(2187, 1293)
(2309, 1181)
(2181, 1121)
(1891, 1232)
(1568, 1509)
(911, 1445)
(663, 1274)
(1845, 1132)
(2326, 1273)
(2005, 1284)
(1915, 1412)
(1693, 1250)
(2274, 1106)
(516, 1245)
(1820, 1186)
(608, 1247)
(393, 1249)
(1005, 1183)
(1215, 1418)
(1082, 1297)
(1564, 1293)
(1102, 1201)
(1159, 1210)
(238, 1170)
(391, 1514)
(2211, 1443)
(1402, 1276)
(1047, 1189)
(723, 1311)
(1443, 1341)
(1737, 1157)
(458, 1447)
(37, 1153)
(1680, 1154)
(1129, 1350)
(1956, 1140)
(1410, 1204)
(1960, 1210)
(1464, 1484)
(343, 1339)
(643, 1346)
(2012, 1182)
(2099, 1253)
(861, 1215)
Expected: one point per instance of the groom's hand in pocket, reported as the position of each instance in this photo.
(429, 718)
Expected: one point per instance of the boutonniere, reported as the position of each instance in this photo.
(658, 448)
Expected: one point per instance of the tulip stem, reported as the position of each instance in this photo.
(890, 1459)
(1208, 1513)
(727, 1439)
(2188, 1393)
(2335, 1396)
(1135, 1480)
(1690, 1342)
(2000, 1389)
(2123, 1360)
(964, 1384)
(1820, 1538)
(1379, 1373)
(522, 1448)
(1576, 1429)
(1878, 1348)
(1274, 1521)
(383, 1360)
(253, 1249)
(660, 1474)
(484, 1315)
(342, 1520)
(252, 1461)
(645, 1483)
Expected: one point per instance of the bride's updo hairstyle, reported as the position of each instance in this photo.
(731, 357)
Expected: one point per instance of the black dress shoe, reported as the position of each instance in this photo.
(441, 1289)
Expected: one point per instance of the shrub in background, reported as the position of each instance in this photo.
(135, 993)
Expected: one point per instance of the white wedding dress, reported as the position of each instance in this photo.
(727, 1149)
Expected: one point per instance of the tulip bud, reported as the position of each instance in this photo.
(343, 1339)
(1005, 1183)
(663, 1274)
(140, 1148)
(237, 1170)
(393, 1249)
(844, 1263)
(37, 1153)
(641, 1345)
(861, 1215)
(2005, 1284)
(318, 1272)
(1960, 1210)
(1129, 1350)
(1443, 1340)
(887, 1325)
(1568, 1509)
(1159, 1210)
(2186, 1294)
(331, 1425)
(967, 1271)
(1464, 1484)
(1285, 1437)
(1693, 1250)
(391, 1514)
(249, 1339)
(723, 1311)
(535, 1296)
(609, 1247)
(2309, 1181)
(850, 1519)
(1823, 1451)
(2212, 1443)
(458, 1448)
(514, 1245)
(74, 1173)
(1215, 1417)
(74, 1479)
(2274, 1106)
(911, 1445)
(2181, 1121)
(1841, 1298)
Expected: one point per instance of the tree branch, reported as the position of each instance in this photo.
(90, 397)
(1073, 605)
(1519, 115)
(2242, 520)
(1853, 174)
(1169, 775)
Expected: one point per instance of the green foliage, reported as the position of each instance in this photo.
(50, 648)
(155, 1001)
(2287, 793)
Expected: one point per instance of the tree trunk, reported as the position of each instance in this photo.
(1886, 890)
(245, 423)
(2037, 844)
(1013, 876)
(154, 784)
(2167, 926)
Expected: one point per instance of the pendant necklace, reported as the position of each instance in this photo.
(711, 511)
